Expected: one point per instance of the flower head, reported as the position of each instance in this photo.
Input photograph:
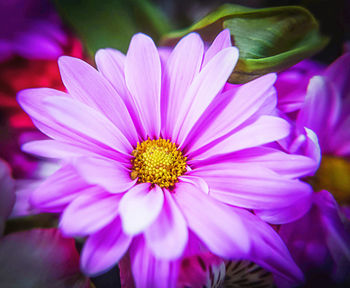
(162, 160)
(319, 241)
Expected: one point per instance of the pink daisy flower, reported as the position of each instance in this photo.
(163, 161)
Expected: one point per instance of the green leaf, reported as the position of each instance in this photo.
(111, 23)
(269, 39)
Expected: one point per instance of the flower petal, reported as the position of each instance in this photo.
(321, 108)
(222, 41)
(149, 271)
(203, 89)
(91, 212)
(31, 100)
(289, 165)
(264, 130)
(230, 109)
(109, 174)
(167, 236)
(111, 63)
(58, 190)
(104, 249)
(87, 122)
(268, 249)
(251, 186)
(140, 207)
(224, 234)
(86, 84)
(143, 79)
(292, 212)
(56, 149)
(182, 66)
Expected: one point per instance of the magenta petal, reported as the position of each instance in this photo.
(104, 249)
(143, 79)
(168, 234)
(150, 271)
(58, 190)
(320, 241)
(205, 86)
(89, 123)
(56, 149)
(232, 108)
(109, 174)
(111, 63)
(91, 212)
(31, 100)
(222, 41)
(86, 84)
(251, 186)
(290, 165)
(268, 249)
(197, 181)
(182, 66)
(288, 214)
(339, 139)
(40, 258)
(338, 73)
(264, 130)
(140, 207)
(321, 108)
(224, 234)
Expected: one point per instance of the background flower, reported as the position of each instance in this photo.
(33, 30)
(318, 240)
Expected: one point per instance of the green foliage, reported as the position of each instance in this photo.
(269, 39)
(111, 23)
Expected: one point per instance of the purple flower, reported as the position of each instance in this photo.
(291, 85)
(327, 108)
(31, 29)
(161, 161)
(319, 242)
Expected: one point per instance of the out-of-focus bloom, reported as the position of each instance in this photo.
(319, 241)
(160, 161)
(31, 29)
(40, 258)
(291, 85)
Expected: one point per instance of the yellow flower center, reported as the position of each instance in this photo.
(157, 162)
(333, 175)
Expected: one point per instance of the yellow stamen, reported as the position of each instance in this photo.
(333, 175)
(158, 162)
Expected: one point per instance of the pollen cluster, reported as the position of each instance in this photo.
(158, 162)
